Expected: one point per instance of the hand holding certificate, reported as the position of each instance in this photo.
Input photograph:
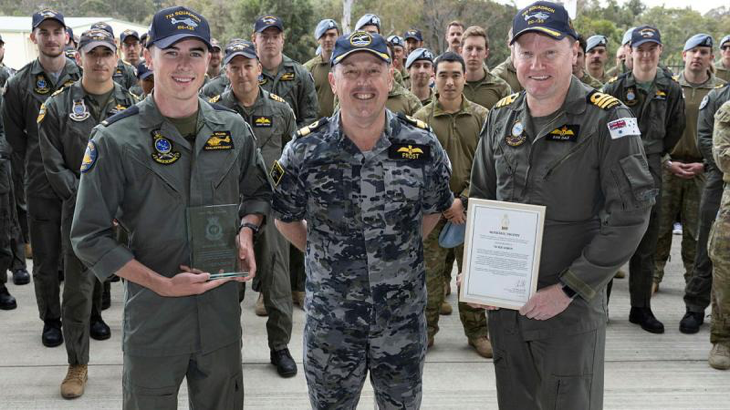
(501, 253)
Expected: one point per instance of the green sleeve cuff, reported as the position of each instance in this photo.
(111, 262)
(583, 289)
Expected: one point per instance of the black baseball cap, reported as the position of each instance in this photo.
(359, 41)
(47, 14)
(143, 71)
(414, 34)
(645, 34)
(215, 44)
(102, 26)
(95, 37)
(128, 33)
(262, 23)
(176, 23)
(238, 47)
(544, 17)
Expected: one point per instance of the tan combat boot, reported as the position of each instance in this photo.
(75, 382)
(720, 356)
(28, 251)
(298, 298)
(482, 345)
(260, 309)
(620, 274)
(445, 308)
(447, 289)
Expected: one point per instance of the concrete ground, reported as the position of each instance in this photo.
(643, 371)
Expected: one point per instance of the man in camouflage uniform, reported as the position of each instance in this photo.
(482, 87)
(579, 67)
(420, 67)
(326, 34)
(7, 220)
(624, 62)
(656, 101)
(697, 293)
(456, 121)
(506, 70)
(397, 47)
(719, 247)
(576, 151)
(358, 191)
(125, 74)
(454, 36)
(24, 94)
(683, 174)
(273, 124)
(722, 66)
(65, 122)
(596, 57)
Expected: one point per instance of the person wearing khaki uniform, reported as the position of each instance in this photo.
(24, 94)
(722, 67)
(400, 100)
(577, 152)
(64, 124)
(482, 87)
(147, 167)
(326, 33)
(579, 67)
(420, 68)
(456, 122)
(683, 174)
(596, 57)
(273, 125)
(506, 71)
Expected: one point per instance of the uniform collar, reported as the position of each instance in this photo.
(150, 116)
(69, 68)
(463, 109)
(710, 83)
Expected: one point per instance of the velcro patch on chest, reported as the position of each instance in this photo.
(220, 140)
(568, 132)
(263, 121)
(410, 152)
(287, 77)
(622, 127)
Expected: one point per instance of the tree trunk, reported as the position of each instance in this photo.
(346, 11)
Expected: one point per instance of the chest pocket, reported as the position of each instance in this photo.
(404, 182)
(329, 197)
(657, 111)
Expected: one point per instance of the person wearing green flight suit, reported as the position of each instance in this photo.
(482, 86)
(24, 94)
(215, 86)
(683, 174)
(273, 124)
(326, 34)
(291, 81)
(152, 167)
(456, 121)
(657, 102)
(124, 74)
(65, 122)
(576, 151)
(722, 66)
(8, 227)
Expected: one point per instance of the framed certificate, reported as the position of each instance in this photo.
(501, 253)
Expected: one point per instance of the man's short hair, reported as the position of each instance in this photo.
(455, 23)
(582, 43)
(475, 31)
(449, 57)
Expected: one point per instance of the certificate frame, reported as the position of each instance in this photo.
(501, 257)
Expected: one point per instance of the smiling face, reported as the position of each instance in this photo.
(179, 69)
(99, 64)
(645, 57)
(244, 74)
(50, 36)
(361, 82)
(698, 59)
(544, 65)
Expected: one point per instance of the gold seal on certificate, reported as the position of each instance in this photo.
(212, 234)
(501, 253)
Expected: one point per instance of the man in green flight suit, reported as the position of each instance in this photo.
(273, 124)
(65, 121)
(156, 167)
(550, 353)
(24, 94)
(125, 74)
(326, 34)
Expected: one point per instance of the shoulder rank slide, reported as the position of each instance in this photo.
(412, 121)
(303, 132)
(123, 114)
(214, 99)
(276, 97)
(506, 100)
(603, 101)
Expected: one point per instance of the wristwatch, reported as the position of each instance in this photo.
(569, 292)
(253, 227)
(464, 200)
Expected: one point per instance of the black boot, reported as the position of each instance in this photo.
(285, 365)
(7, 302)
(691, 322)
(21, 277)
(645, 318)
(106, 295)
(98, 330)
(52, 335)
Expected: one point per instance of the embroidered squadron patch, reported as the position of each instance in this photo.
(89, 157)
(567, 132)
(630, 99)
(41, 85)
(263, 122)
(516, 138)
(163, 149)
(276, 173)
(79, 112)
(220, 140)
(410, 152)
(660, 95)
(287, 77)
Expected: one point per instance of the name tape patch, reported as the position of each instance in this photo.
(410, 152)
(218, 141)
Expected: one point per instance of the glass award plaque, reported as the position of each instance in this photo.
(212, 234)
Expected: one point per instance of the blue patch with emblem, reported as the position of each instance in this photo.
(89, 157)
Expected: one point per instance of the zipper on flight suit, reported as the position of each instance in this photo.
(539, 137)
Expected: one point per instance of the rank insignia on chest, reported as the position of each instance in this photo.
(89, 157)
(276, 173)
(41, 85)
(116, 110)
(79, 112)
(262, 122)
(218, 141)
(516, 137)
(410, 152)
(287, 77)
(564, 133)
(163, 149)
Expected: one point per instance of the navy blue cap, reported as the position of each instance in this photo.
(215, 44)
(70, 32)
(645, 34)
(359, 41)
(724, 40)
(324, 26)
(262, 23)
(102, 26)
(238, 47)
(699, 40)
(596, 41)
(95, 37)
(173, 24)
(143, 71)
(128, 33)
(414, 34)
(544, 17)
(47, 14)
(418, 54)
(368, 20)
(396, 40)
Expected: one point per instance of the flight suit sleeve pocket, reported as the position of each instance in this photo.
(569, 392)
(635, 183)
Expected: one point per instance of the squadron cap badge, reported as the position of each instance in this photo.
(163, 149)
(516, 137)
(79, 112)
(41, 85)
